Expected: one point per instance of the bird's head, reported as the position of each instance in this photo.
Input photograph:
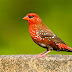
(32, 18)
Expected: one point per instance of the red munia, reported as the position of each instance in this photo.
(43, 36)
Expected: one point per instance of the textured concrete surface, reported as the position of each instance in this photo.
(27, 63)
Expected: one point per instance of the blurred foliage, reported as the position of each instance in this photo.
(14, 34)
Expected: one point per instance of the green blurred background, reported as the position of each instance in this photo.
(14, 34)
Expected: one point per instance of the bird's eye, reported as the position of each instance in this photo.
(31, 16)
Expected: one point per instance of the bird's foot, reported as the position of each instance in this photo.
(39, 56)
(42, 55)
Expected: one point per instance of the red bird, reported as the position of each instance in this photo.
(43, 36)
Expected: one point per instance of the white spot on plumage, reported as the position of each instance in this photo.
(43, 45)
(41, 30)
(42, 33)
(53, 37)
(46, 33)
(34, 38)
(36, 32)
(35, 28)
(40, 38)
(43, 38)
(37, 19)
(35, 24)
(54, 34)
(50, 37)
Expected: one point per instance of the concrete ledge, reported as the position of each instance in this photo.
(27, 63)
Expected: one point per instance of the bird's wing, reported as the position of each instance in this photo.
(46, 33)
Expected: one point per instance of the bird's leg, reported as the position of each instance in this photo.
(49, 49)
(42, 54)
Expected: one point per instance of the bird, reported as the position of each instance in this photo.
(43, 36)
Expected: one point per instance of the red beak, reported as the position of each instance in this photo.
(26, 18)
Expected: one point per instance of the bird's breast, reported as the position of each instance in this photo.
(33, 30)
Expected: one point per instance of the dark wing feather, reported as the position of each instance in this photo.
(45, 32)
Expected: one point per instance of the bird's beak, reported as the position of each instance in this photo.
(26, 18)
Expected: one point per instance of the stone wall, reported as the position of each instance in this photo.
(27, 63)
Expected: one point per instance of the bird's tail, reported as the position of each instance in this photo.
(64, 47)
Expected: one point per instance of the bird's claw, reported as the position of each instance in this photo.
(40, 55)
